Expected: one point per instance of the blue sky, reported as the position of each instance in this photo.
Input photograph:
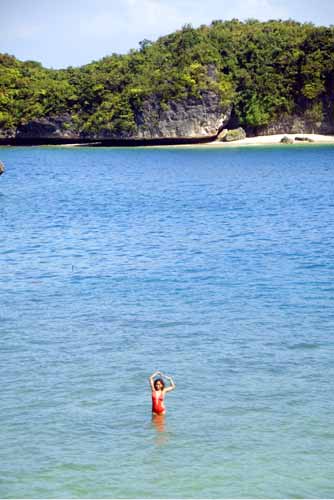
(60, 33)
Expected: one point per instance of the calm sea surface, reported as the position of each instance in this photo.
(215, 266)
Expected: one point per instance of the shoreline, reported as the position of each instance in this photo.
(263, 140)
(260, 140)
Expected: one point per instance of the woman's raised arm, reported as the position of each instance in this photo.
(172, 384)
(151, 377)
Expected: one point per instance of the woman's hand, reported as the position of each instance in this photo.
(172, 384)
(151, 378)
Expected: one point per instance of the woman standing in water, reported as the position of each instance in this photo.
(158, 392)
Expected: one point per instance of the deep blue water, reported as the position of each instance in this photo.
(215, 266)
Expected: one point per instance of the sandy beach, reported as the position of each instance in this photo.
(276, 139)
(260, 140)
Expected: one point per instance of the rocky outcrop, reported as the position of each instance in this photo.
(295, 124)
(202, 116)
(2, 168)
(6, 134)
(193, 118)
(286, 140)
(232, 135)
(221, 135)
(56, 127)
(303, 139)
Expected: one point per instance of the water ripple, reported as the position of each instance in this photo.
(213, 266)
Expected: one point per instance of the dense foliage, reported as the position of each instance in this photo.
(263, 69)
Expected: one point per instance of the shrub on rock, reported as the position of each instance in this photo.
(235, 135)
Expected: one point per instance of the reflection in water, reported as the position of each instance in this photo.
(159, 423)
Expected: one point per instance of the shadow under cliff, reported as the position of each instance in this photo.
(162, 141)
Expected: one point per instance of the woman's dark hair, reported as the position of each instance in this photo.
(159, 380)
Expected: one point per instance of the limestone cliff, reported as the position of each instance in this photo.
(194, 118)
(200, 117)
(296, 124)
(51, 127)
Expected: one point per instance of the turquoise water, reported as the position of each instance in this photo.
(215, 266)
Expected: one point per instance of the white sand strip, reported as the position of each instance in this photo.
(276, 139)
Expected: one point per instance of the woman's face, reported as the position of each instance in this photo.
(158, 385)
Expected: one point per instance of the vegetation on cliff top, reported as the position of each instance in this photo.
(265, 70)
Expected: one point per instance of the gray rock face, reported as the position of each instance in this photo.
(194, 117)
(60, 127)
(286, 140)
(5, 134)
(296, 124)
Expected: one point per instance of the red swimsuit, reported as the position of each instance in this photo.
(157, 403)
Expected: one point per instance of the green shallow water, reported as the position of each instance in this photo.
(215, 266)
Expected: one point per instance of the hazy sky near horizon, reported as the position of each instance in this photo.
(74, 32)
